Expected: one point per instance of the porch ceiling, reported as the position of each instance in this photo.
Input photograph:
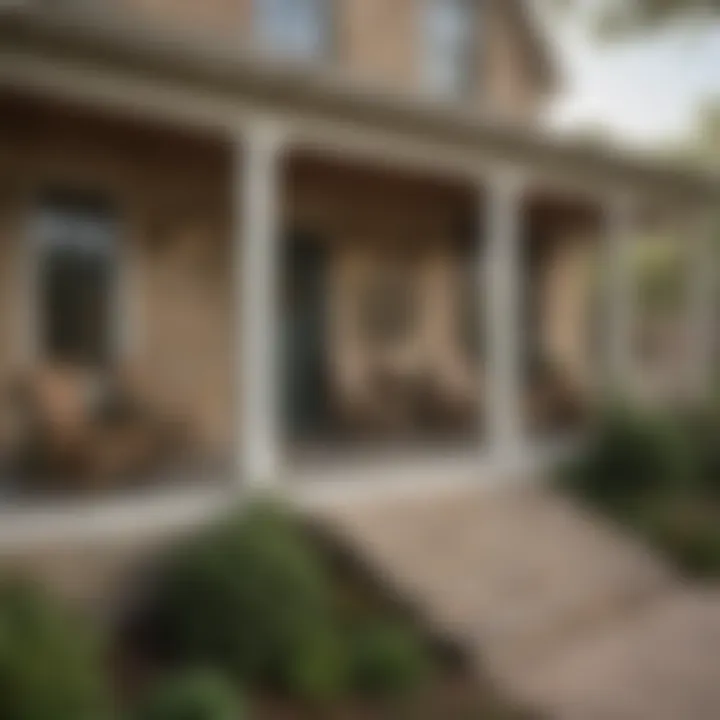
(106, 58)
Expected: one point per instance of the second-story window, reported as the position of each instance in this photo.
(294, 28)
(449, 48)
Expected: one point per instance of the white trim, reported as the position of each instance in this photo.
(151, 513)
(424, 473)
(164, 511)
(141, 97)
(258, 228)
(503, 218)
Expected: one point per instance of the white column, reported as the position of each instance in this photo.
(701, 298)
(257, 241)
(503, 222)
(619, 294)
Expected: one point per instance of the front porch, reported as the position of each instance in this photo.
(375, 303)
(312, 300)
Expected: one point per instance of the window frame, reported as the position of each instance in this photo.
(38, 246)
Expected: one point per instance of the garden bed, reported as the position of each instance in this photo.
(400, 669)
(257, 617)
(658, 474)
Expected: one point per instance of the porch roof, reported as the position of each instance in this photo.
(39, 40)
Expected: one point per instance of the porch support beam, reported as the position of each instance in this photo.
(503, 213)
(257, 243)
(619, 295)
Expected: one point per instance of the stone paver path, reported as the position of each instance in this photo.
(564, 610)
(661, 664)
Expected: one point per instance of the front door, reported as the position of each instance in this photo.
(305, 336)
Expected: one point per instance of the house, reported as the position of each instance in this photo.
(310, 233)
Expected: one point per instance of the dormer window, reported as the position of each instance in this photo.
(449, 51)
(298, 29)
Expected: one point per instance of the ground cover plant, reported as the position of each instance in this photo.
(257, 616)
(658, 473)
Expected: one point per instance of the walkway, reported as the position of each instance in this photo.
(562, 609)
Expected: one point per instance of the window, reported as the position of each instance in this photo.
(75, 279)
(449, 47)
(296, 28)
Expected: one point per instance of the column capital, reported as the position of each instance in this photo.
(267, 133)
(506, 178)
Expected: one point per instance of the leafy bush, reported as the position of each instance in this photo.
(687, 530)
(386, 658)
(696, 551)
(253, 598)
(193, 696)
(631, 456)
(661, 476)
(50, 667)
(703, 430)
(318, 671)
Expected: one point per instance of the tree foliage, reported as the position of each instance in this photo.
(707, 143)
(622, 16)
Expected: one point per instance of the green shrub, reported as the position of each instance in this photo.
(386, 658)
(50, 667)
(703, 430)
(253, 598)
(687, 530)
(696, 551)
(193, 696)
(632, 455)
(661, 476)
(318, 671)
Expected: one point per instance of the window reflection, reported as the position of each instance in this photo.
(449, 32)
(295, 28)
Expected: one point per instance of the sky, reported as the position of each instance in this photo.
(642, 92)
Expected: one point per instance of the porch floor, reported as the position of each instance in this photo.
(563, 610)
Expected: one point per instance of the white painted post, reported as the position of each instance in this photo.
(619, 294)
(257, 226)
(701, 297)
(503, 217)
